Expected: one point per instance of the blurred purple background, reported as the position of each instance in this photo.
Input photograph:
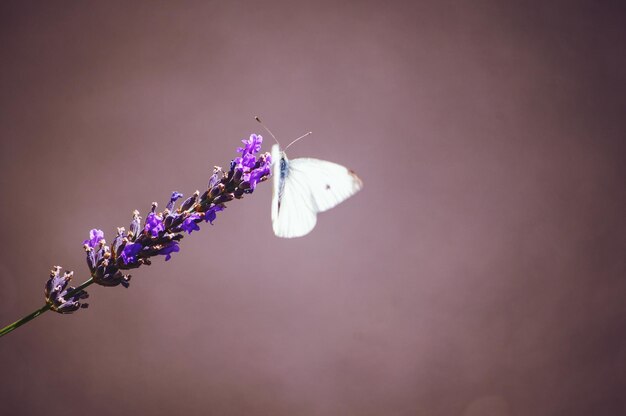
(481, 271)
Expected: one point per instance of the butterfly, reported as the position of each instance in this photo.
(304, 187)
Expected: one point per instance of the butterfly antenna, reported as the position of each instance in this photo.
(268, 130)
(301, 137)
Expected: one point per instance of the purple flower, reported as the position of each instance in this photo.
(130, 252)
(266, 161)
(189, 202)
(95, 236)
(264, 169)
(248, 160)
(110, 275)
(161, 232)
(211, 214)
(190, 223)
(118, 241)
(252, 145)
(135, 226)
(95, 248)
(154, 224)
(57, 289)
(254, 179)
(217, 176)
(168, 249)
(173, 199)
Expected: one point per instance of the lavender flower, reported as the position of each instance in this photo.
(94, 238)
(101, 261)
(154, 224)
(175, 197)
(118, 241)
(211, 214)
(218, 174)
(162, 231)
(130, 252)
(252, 145)
(135, 226)
(57, 290)
(263, 170)
(190, 223)
(188, 203)
(160, 235)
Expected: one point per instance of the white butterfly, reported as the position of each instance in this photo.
(303, 187)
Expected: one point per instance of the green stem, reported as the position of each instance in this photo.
(25, 319)
(41, 310)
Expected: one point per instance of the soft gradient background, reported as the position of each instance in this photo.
(481, 271)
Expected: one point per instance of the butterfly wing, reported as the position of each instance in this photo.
(296, 214)
(302, 188)
(328, 182)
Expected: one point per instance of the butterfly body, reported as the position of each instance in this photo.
(304, 187)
